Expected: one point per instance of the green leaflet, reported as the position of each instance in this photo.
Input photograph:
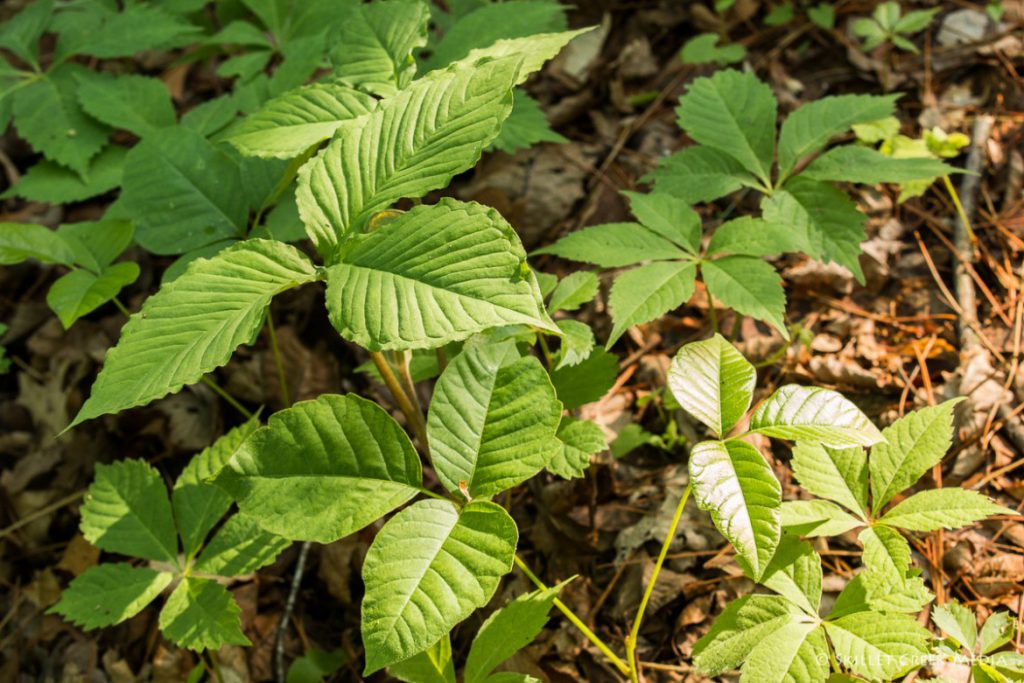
(838, 474)
(137, 104)
(699, 174)
(816, 415)
(50, 182)
(878, 646)
(795, 573)
(817, 518)
(578, 441)
(645, 293)
(670, 217)
(342, 456)
(429, 567)
(526, 126)
(193, 324)
(796, 651)
(947, 508)
(433, 665)
(22, 241)
(958, 622)
(80, 292)
(578, 385)
(96, 244)
(750, 286)
(613, 245)
(291, 123)
(733, 113)
(734, 484)
(911, 446)
(713, 382)
(201, 615)
(239, 547)
(996, 632)
(748, 236)
(492, 420)
(376, 43)
(743, 624)
(439, 126)
(856, 164)
(107, 594)
(577, 343)
(127, 511)
(573, 291)
(434, 275)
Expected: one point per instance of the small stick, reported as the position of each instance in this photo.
(286, 616)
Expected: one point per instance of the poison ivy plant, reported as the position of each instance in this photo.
(963, 643)
(869, 631)
(888, 24)
(88, 249)
(127, 511)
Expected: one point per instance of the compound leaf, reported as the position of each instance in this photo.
(816, 415)
(429, 567)
(734, 113)
(958, 622)
(107, 594)
(750, 286)
(492, 420)
(839, 474)
(878, 646)
(193, 324)
(202, 615)
(734, 484)
(342, 456)
(947, 508)
(613, 245)
(127, 511)
(434, 275)
(289, 124)
(910, 447)
(713, 382)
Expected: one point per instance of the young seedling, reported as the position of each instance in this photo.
(981, 652)
(888, 24)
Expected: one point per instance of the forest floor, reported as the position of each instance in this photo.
(902, 340)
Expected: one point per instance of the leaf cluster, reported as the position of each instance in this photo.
(888, 24)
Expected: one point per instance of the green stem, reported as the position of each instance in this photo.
(276, 350)
(231, 400)
(121, 307)
(577, 622)
(548, 358)
(414, 419)
(959, 207)
(635, 631)
(712, 313)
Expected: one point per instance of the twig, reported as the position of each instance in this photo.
(286, 616)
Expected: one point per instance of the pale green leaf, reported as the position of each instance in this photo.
(573, 291)
(577, 342)
(734, 484)
(749, 236)
(794, 653)
(492, 420)
(713, 382)
(884, 593)
(587, 382)
(824, 217)
(290, 124)
(670, 217)
(859, 164)
(958, 622)
(507, 631)
(533, 48)
(948, 508)
(193, 325)
(699, 174)
(915, 21)
(795, 573)
(434, 275)
(996, 632)
(813, 124)
(613, 245)
(739, 629)
(817, 518)
(81, 292)
(198, 504)
(202, 615)
(433, 665)
(885, 551)
(646, 293)
(734, 113)
(878, 646)
(579, 440)
(22, 241)
(526, 125)
(183, 192)
(439, 126)
(97, 243)
(126, 511)
(137, 104)
(376, 43)
(911, 446)
(839, 474)
(704, 49)
(47, 181)
(816, 415)
(107, 594)
(342, 456)
(239, 547)
(750, 286)
(428, 568)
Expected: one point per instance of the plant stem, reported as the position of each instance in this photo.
(577, 622)
(712, 314)
(231, 400)
(414, 418)
(959, 207)
(121, 307)
(442, 359)
(276, 350)
(634, 633)
(402, 360)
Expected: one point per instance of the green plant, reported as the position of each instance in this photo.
(705, 49)
(88, 249)
(5, 361)
(888, 24)
(980, 651)
(127, 511)
(397, 282)
(732, 116)
(868, 631)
